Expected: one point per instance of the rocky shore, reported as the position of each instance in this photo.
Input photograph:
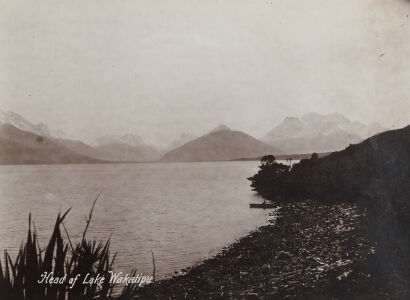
(308, 251)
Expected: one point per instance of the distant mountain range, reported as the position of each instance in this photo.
(183, 139)
(24, 147)
(12, 118)
(129, 139)
(318, 133)
(221, 143)
(19, 142)
(128, 147)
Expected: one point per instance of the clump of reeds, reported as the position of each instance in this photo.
(19, 278)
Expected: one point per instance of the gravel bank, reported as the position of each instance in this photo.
(301, 254)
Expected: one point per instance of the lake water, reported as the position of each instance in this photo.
(183, 212)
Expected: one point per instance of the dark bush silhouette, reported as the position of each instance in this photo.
(268, 160)
(19, 278)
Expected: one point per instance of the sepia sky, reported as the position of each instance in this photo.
(160, 68)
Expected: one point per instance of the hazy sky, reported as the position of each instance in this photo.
(160, 68)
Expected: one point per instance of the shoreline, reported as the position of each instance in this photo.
(308, 247)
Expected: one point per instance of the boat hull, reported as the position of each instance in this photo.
(261, 205)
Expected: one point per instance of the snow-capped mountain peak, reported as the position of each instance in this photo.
(21, 123)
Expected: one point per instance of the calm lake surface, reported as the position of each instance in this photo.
(183, 212)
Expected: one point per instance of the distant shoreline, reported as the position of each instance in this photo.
(285, 156)
(278, 157)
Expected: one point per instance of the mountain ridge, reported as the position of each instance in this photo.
(21, 123)
(314, 132)
(24, 147)
(219, 146)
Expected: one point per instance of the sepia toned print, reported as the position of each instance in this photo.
(204, 149)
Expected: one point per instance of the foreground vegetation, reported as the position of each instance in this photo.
(19, 279)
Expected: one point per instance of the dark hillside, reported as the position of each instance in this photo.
(375, 174)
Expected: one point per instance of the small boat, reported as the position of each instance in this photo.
(262, 205)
